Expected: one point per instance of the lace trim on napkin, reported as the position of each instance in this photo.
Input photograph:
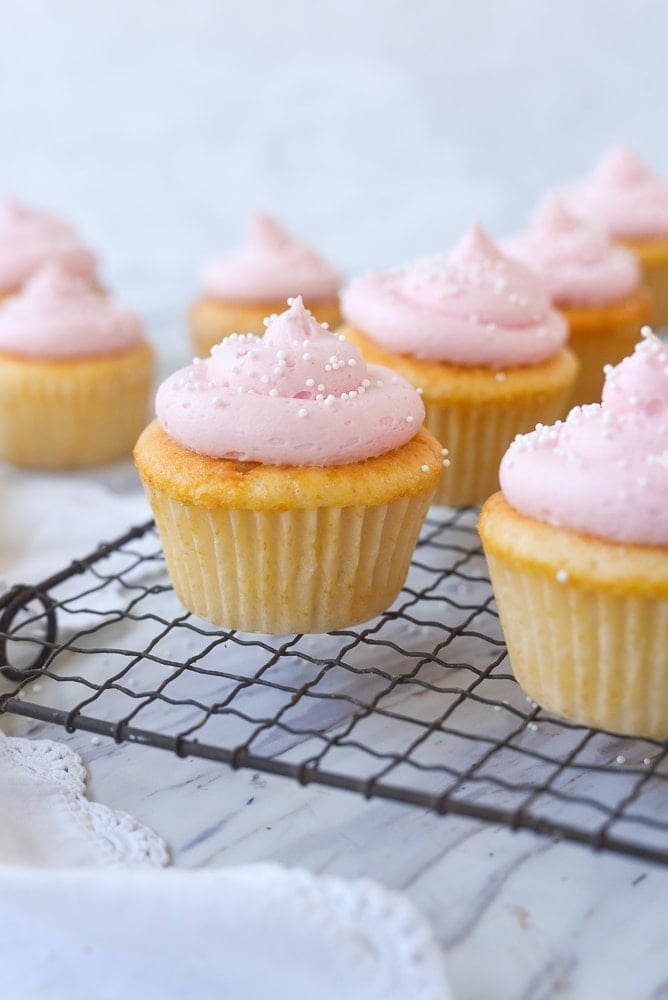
(117, 837)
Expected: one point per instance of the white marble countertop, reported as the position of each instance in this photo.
(379, 131)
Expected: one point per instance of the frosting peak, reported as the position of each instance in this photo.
(623, 196)
(577, 260)
(270, 265)
(30, 238)
(604, 470)
(474, 306)
(298, 396)
(59, 315)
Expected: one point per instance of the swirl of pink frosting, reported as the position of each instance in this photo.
(59, 315)
(29, 239)
(604, 470)
(472, 307)
(623, 196)
(270, 265)
(578, 263)
(298, 396)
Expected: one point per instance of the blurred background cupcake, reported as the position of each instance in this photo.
(75, 374)
(476, 333)
(624, 197)
(30, 238)
(595, 284)
(241, 290)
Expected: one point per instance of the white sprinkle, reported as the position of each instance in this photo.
(321, 387)
(273, 392)
(351, 362)
(621, 759)
(302, 413)
(266, 321)
(344, 395)
(310, 382)
(264, 379)
(325, 326)
(425, 468)
(330, 400)
(340, 336)
(646, 761)
(290, 301)
(366, 383)
(280, 355)
(216, 400)
(380, 383)
(328, 368)
(446, 463)
(196, 361)
(409, 419)
(533, 727)
(352, 394)
(561, 576)
(96, 741)
(645, 331)
(306, 357)
(37, 687)
(444, 451)
(500, 377)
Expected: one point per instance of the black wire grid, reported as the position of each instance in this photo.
(418, 705)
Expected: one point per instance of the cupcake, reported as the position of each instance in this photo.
(75, 374)
(288, 480)
(577, 547)
(595, 284)
(240, 290)
(631, 203)
(476, 333)
(29, 239)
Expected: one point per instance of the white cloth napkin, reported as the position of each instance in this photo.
(88, 911)
(247, 933)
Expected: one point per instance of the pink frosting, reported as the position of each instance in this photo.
(59, 315)
(472, 307)
(604, 470)
(29, 239)
(299, 396)
(270, 265)
(578, 262)
(623, 196)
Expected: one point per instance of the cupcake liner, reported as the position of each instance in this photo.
(70, 414)
(585, 621)
(653, 254)
(300, 570)
(603, 336)
(477, 437)
(595, 658)
(211, 320)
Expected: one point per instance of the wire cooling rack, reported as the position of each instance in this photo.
(418, 705)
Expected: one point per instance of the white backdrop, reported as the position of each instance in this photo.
(376, 129)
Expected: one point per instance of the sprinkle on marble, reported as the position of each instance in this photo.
(621, 759)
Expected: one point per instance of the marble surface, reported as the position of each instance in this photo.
(378, 130)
